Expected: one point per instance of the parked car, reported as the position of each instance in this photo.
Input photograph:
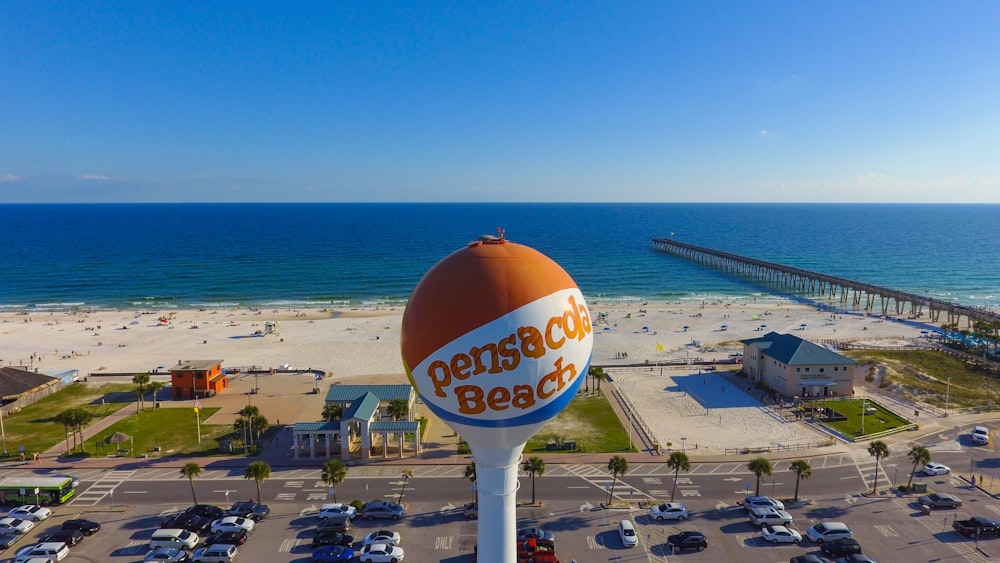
(769, 517)
(856, 558)
(382, 536)
(249, 509)
(669, 511)
(841, 547)
(380, 553)
(688, 540)
(933, 500)
(780, 534)
(233, 537)
(810, 558)
(382, 510)
(980, 435)
(340, 524)
(218, 553)
(76, 480)
(627, 533)
(170, 554)
(209, 511)
(8, 539)
(332, 538)
(750, 503)
(336, 509)
(54, 551)
(232, 524)
(88, 527)
(31, 512)
(68, 537)
(825, 531)
(534, 533)
(187, 521)
(332, 554)
(470, 510)
(16, 525)
(935, 468)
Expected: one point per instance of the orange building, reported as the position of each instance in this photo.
(197, 378)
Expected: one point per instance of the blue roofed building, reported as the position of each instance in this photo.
(796, 367)
(365, 429)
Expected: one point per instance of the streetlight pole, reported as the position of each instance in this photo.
(947, 397)
(864, 407)
(3, 435)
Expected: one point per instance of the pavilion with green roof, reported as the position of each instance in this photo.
(365, 428)
(793, 366)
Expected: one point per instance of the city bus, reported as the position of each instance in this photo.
(36, 490)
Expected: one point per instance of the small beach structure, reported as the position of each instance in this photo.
(365, 430)
(796, 367)
(197, 378)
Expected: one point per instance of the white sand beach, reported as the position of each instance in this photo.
(360, 345)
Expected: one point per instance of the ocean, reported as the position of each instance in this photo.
(114, 256)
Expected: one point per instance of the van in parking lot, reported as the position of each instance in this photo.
(56, 551)
(627, 532)
(174, 537)
(769, 517)
(825, 531)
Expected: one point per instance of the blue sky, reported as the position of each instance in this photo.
(472, 101)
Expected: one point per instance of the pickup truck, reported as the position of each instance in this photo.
(977, 526)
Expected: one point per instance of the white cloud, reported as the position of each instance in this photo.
(763, 132)
(95, 177)
(10, 178)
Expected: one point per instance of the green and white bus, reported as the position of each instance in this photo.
(36, 490)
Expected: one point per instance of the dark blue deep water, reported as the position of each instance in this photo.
(296, 255)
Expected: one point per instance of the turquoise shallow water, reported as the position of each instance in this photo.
(212, 255)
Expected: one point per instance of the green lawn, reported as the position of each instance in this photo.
(175, 431)
(34, 426)
(590, 421)
(873, 423)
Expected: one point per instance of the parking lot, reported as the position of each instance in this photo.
(888, 528)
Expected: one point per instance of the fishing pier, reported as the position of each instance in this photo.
(797, 280)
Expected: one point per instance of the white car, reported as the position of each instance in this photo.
(380, 553)
(750, 503)
(934, 468)
(31, 512)
(781, 534)
(16, 524)
(669, 511)
(382, 536)
(232, 524)
(337, 509)
(981, 435)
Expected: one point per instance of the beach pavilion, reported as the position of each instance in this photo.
(365, 430)
(795, 367)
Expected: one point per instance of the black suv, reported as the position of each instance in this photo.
(253, 510)
(187, 521)
(840, 547)
(331, 538)
(88, 527)
(209, 511)
(688, 540)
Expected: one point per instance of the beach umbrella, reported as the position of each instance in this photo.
(803, 325)
(118, 438)
(763, 326)
(686, 327)
(645, 328)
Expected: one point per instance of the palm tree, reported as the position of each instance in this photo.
(470, 474)
(534, 466)
(677, 461)
(398, 408)
(759, 466)
(598, 375)
(66, 419)
(332, 412)
(154, 388)
(617, 466)
(192, 470)
(406, 475)
(259, 472)
(81, 418)
(802, 471)
(919, 456)
(140, 380)
(334, 473)
(879, 451)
